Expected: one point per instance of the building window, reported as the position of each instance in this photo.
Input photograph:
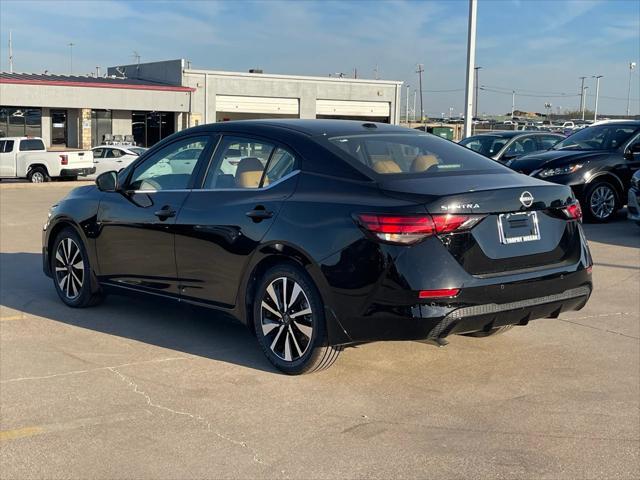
(20, 122)
(149, 128)
(100, 126)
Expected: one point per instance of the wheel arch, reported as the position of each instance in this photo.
(31, 166)
(612, 178)
(277, 254)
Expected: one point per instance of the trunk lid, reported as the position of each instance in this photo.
(524, 226)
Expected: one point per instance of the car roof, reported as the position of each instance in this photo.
(315, 127)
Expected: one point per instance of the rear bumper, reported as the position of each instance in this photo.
(77, 172)
(633, 205)
(475, 309)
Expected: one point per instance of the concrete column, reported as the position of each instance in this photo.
(121, 122)
(308, 96)
(85, 129)
(45, 127)
(210, 99)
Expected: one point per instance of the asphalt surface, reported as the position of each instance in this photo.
(136, 388)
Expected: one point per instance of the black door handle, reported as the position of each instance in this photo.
(259, 213)
(165, 212)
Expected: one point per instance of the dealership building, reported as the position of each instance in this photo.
(150, 101)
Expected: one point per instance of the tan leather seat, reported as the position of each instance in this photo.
(387, 166)
(249, 173)
(424, 162)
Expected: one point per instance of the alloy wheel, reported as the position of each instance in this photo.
(602, 202)
(69, 268)
(286, 319)
(37, 177)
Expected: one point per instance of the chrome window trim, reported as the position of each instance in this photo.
(183, 190)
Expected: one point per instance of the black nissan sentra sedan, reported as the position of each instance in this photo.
(320, 234)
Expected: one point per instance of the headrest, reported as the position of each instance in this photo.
(387, 166)
(249, 173)
(424, 162)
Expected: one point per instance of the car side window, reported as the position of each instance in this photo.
(548, 141)
(8, 146)
(169, 168)
(521, 146)
(240, 163)
(98, 153)
(2, 143)
(281, 164)
(115, 153)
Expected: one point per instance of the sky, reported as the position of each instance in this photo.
(539, 48)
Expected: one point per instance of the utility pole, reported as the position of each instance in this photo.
(407, 99)
(584, 100)
(415, 93)
(582, 94)
(477, 85)
(513, 103)
(71, 58)
(10, 53)
(471, 60)
(595, 112)
(632, 65)
(419, 72)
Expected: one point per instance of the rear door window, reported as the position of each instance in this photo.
(8, 146)
(547, 141)
(411, 155)
(240, 164)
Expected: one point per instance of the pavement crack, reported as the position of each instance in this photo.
(572, 321)
(198, 418)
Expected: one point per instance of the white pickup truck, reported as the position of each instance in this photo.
(27, 157)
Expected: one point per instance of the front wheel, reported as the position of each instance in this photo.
(71, 270)
(289, 322)
(601, 202)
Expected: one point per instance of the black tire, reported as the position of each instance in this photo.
(304, 346)
(490, 333)
(600, 211)
(38, 175)
(71, 271)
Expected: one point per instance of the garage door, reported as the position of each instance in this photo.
(233, 103)
(353, 108)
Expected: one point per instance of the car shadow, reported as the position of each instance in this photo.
(619, 231)
(147, 319)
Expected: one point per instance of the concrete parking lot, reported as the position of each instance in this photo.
(135, 388)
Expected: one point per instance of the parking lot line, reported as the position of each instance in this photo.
(19, 433)
(8, 318)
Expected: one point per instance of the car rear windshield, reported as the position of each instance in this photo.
(412, 155)
(599, 137)
(30, 145)
(485, 144)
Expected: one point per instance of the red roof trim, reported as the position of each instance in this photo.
(61, 83)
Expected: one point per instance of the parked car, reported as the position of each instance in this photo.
(503, 146)
(110, 157)
(597, 162)
(633, 201)
(27, 157)
(349, 233)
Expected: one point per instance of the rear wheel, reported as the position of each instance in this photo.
(289, 322)
(71, 270)
(38, 175)
(601, 202)
(490, 333)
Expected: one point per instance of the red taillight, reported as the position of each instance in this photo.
(408, 229)
(64, 160)
(441, 293)
(573, 211)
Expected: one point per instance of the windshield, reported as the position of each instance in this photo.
(137, 150)
(599, 137)
(488, 145)
(410, 154)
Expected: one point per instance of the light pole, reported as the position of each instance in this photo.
(595, 112)
(632, 65)
(471, 60)
(476, 98)
(584, 100)
(415, 93)
(407, 99)
(71, 58)
(513, 103)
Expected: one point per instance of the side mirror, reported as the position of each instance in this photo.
(107, 181)
(631, 151)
